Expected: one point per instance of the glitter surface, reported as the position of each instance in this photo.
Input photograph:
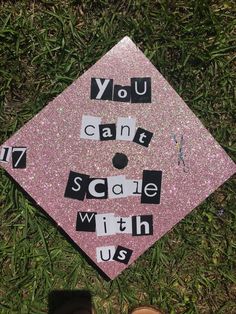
(192, 162)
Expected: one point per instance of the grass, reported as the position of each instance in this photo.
(44, 46)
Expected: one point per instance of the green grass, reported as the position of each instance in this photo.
(44, 46)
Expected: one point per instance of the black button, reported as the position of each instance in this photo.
(120, 161)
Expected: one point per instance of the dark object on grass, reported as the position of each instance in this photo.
(220, 212)
(69, 302)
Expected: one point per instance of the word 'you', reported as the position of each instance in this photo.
(139, 91)
(16, 154)
(124, 129)
(80, 185)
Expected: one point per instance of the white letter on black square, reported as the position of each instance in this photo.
(76, 186)
(143, 137)
(122, 255)
(86, 221)
(121, 93)
(101, 88)
(107, 132)
(19, 157)
(142, 225)
(141, 89)
(151, 189)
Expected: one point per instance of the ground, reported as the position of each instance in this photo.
(44, 46)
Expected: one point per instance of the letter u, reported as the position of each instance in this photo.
(136, 88)
(106, 259)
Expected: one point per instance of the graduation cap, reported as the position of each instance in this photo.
(117, 159)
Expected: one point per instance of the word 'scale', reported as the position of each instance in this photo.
(79, 185)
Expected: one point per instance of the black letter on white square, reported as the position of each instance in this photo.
(101, 89)
(122, 254)
(121, 93)
(86, 221)
(151, 188)
(107, 132)
(5, 154)
(142, 225)
(97, 188)
(143, 137)
(76, 186)
(141, 90)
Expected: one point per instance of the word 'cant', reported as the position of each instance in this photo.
(124, 130)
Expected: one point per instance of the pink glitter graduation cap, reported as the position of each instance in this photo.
(117, 159)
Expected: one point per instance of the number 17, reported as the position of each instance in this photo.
(18, 155)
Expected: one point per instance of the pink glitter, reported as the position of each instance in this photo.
(192, 169)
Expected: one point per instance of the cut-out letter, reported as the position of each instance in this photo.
(101, 89)
(151, 189)
(105, 253)
(133, 187)
(19, 157)
(122, 254)
(116, 186)
(125, 129)
(123, 225)
(5, 154)
(97, 188)
(143, 137)
(105, 224)
(141, 89)
(121, 93)
(142, 225)
(107, 132)
(86, 221)
(76, 185)
(90, 127)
